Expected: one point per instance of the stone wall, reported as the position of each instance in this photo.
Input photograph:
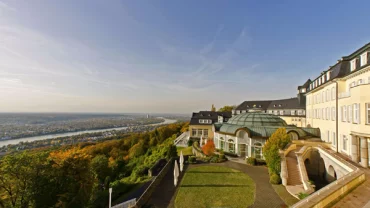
(148, 192)
(333, 192)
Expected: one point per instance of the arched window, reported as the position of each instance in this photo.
(257, 150)
(222, 143)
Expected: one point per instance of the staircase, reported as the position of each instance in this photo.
(293, 170)
(182, 140)
(295, 185)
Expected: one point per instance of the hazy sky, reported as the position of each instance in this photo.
(167, 56)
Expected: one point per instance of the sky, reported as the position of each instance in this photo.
(167, 56)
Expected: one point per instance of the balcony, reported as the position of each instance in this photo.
(344, 94)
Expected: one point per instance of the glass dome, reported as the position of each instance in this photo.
(257, 119)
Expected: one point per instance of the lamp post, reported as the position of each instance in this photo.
(110, 197)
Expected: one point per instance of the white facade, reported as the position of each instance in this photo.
(340, 108)
(241, 144)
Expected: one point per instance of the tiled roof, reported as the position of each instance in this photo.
(210, 115)
(290, 103)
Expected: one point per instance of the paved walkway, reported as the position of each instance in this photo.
(266, 196)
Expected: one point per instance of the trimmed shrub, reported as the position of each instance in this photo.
(222, 156)
(251, 161)
(302, 195)
(275, 179)
(192, 159)
(230, 154)
(190, 143)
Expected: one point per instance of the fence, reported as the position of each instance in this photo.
(127, 204)
(148, 192)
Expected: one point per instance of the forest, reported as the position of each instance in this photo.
(80, 175)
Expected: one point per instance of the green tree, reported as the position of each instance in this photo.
(226, 108)
(278, 140)
(99, 166)
(172, 151)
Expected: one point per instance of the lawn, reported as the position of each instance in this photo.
(185, 151)
(285, 195)
(213, 186)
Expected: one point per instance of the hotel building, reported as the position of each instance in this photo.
(338, 102)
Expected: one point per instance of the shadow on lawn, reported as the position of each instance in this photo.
(214, 172)
(214, 185)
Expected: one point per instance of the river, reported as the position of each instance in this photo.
(51, 136)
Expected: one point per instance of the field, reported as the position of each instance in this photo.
(213, 186)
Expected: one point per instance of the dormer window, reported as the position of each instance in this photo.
(353, 64)
(254, 105)
(328, 75)
(279, 105)
(319, 81)
(364, 58)
(323, 79)
(274, 105)
(247, 106)
(259, 106)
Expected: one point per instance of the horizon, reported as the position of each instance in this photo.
(166, 57)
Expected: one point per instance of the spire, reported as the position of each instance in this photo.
(213, 108)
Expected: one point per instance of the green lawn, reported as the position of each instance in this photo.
(285, 195)
(185, 151)
(213, 186)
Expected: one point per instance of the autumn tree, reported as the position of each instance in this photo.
(73, 177)
(226, 108)
(209, 147)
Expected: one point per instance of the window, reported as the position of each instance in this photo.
(368, 113)
(292, 112)
(319, 81)
(281, 112)
(327, 95)
(328, 75)
(200, 132)
(270, 111)
(205, 132)
(345, 140)
(344, 117)
(231, 146)
(299, 112)
(333, 114)
(201, 121)
(193, 132)
(333, 139)
(364, 58)
(327, 113)
(333, 93)
(323, 114)
(328, 135)
(356, 113)
(323, 79)
(323, 96)
(353, 64)
(349, 114)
